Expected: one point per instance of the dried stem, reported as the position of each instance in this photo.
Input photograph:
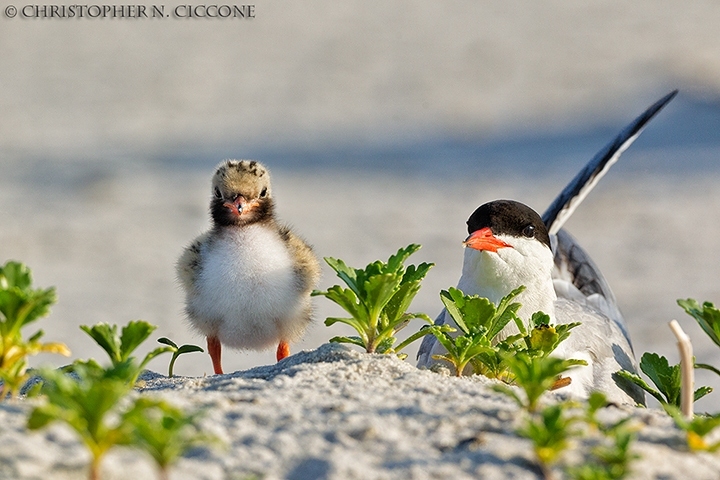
(686, 368)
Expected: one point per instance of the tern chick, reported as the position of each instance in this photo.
(247, 280)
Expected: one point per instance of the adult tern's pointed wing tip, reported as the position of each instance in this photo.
(575, 192)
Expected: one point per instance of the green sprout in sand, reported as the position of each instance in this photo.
(377, 299)
(120, 347)
(177, 351)
(87, 403)
(21, 305)
(165, 432)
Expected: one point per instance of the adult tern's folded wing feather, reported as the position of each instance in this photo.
(575, 192)
(572, 264)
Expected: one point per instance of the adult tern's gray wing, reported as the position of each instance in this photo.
(575, 273)
(575, 192)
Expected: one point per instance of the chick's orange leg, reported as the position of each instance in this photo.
(213, 344)
(283, 350)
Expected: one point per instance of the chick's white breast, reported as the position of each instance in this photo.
(246, 287)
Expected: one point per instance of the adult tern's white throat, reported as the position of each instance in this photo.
(511, 245)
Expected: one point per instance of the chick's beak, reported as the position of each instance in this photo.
(236, 206)
(484, 239)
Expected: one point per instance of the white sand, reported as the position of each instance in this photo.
(334, 413)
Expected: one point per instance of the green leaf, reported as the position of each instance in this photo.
(346, 274)
(379, 289)
(41, 417)
(348, 300)
(442, 336)
(425, 330)
(107, 337)
(19, 303)
(550, 433)
(167, 341)
(543, 337)
(451, 299)
(535, 375)
(385, 346)
(133, 334)
(353, 340)
(701, 392)
(15, 274)
(708, 317)
(510, 392)
(356, 324)
(190, 349)
(637, 380)
(705, 366)
(666, 378)
(405, 293)
(396, 261)
(507, 311)
(563, 331)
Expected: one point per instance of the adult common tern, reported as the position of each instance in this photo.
(511, 245)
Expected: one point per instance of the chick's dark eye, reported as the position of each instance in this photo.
(529, 231)
(217, 193)
(264, 192)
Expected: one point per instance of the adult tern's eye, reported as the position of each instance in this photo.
(529, 231)
(217, 193)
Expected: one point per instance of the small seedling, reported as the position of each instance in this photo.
(611, 459)
(534, 376)
(478, 319)
(696, 429)
(20, 305)
(377, 300)
(550, 432)
(120, 347)
(481, 321)
(177, 351)
(665, 377)
(165, 432)
(87, 404)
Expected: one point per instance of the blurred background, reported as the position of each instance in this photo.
(383, 124)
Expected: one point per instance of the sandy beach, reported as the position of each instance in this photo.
(334, 413)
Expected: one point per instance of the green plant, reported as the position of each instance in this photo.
(177, 351)
(92, 401)
(481, 321)
(120, 347)
(534, 375)
(708, 317)
(20, 305)
(164, 431)
(665, 377)
(478, 319)
(611, 458)
(550, 432)
(377, 300)
(696, 429)
(87, 404)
